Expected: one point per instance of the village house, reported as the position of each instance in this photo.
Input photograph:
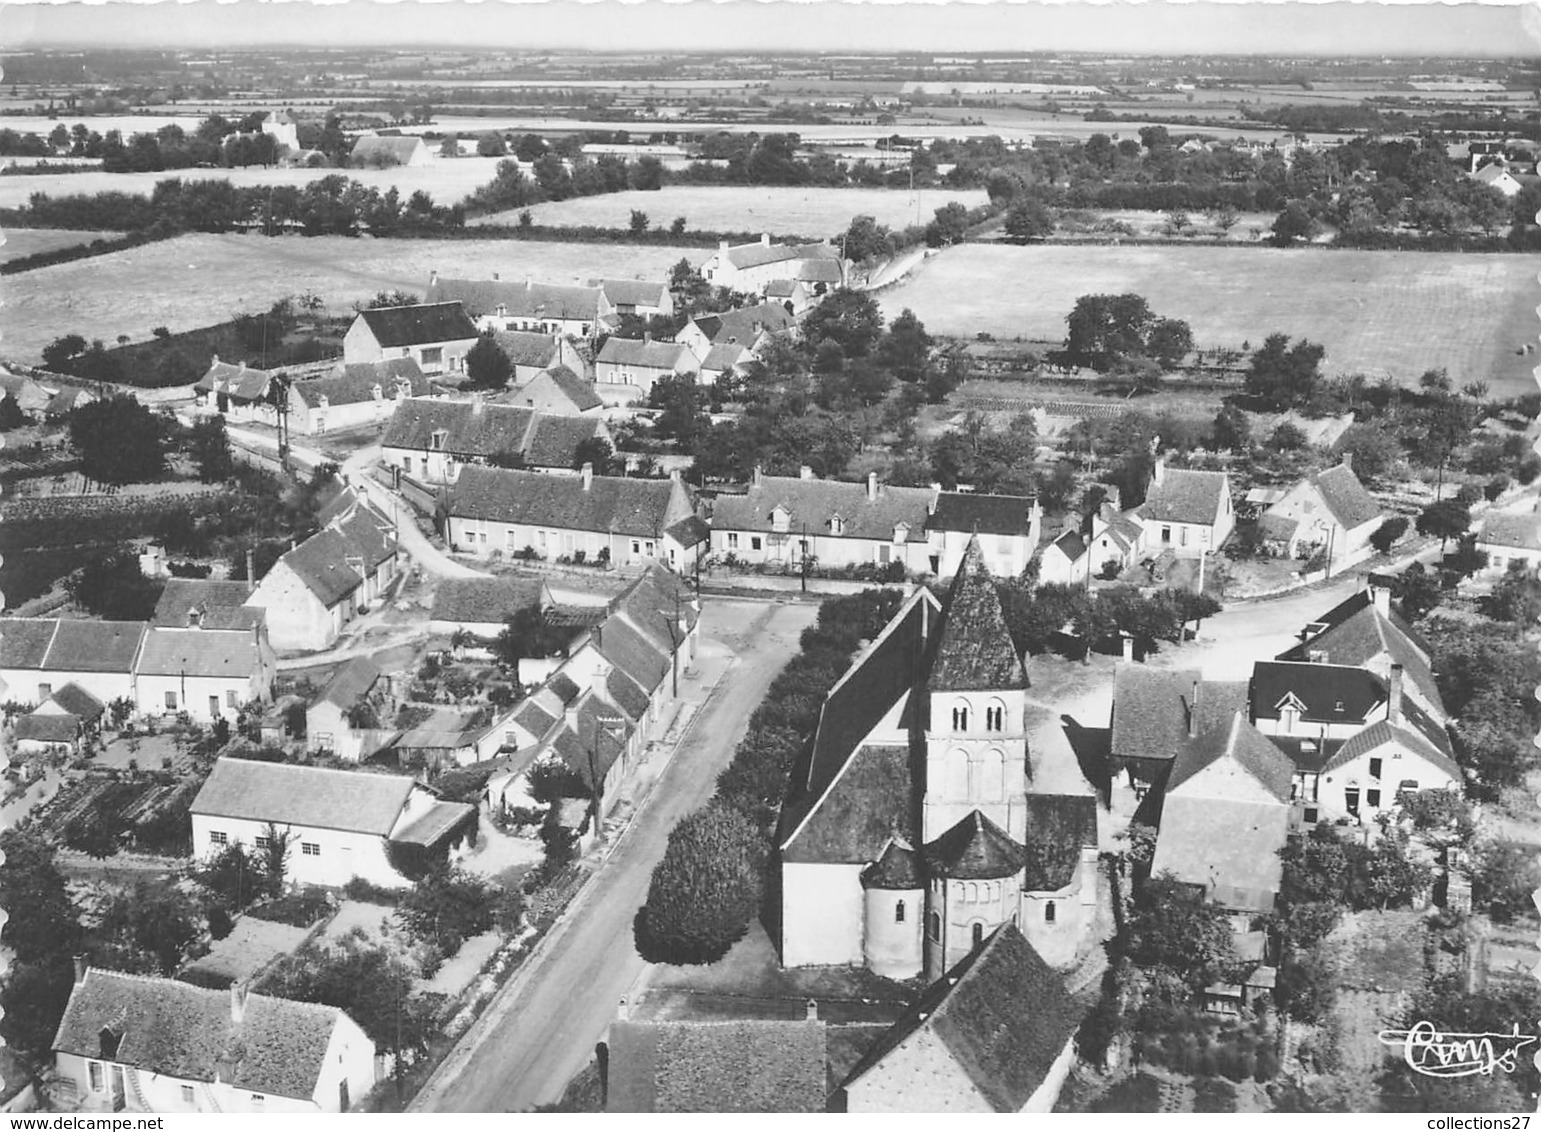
(751, 268)
(793, 294)
(336, 720)
(1329, 511)
(539, 308)
(863, 883)
(1084, 552)
(786, 520)
(63, 722)
(210, 674)
(724, 363)
(1497, 176)
(482, 606)
(30, 395)
(139, 1043)
(341, 823)
(643, 298)
(239, 394)
(532, 354)
(207, 603)
(373, 150)
(627, 368)
(1008, 527)
(437, 336)
(605, 519)
(558, 392)
(1186, 509)
(996, 1034)
(353, 396)
(40, 654)
(749, 327)
(434, 441)
(1511, 541)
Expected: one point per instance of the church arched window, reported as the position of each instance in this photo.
(995, 716)
(898, 911)
(936, 925)
(979, 934)
(960, 715)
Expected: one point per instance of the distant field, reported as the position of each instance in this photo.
(20, 242)
(200, 280)
(805, 212)
(1376, 312)
(447, 181)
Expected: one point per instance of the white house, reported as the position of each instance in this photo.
(1497, 176)
(236, 392)
(751, 268)
(1509, 538)
(748, 327)
(353, 396)
(1186, 509)
(482, 606)
(341, 823)
(138, 1043)
(330, 717)
(208, 673)
(539, 308)
(41, 654)
(437, 336)
(432, 441)
(532, 353)
(1008, 527)
(1329, 510)
(783, 519)
(645, 298)
(626, 369)
(1084, 552)
(558, 392)
(315, 589)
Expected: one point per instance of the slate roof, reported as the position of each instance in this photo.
(356, 383)
(1365, 636)
(820, 271)
(1229, 847)
(48, 727)
(79, 702)
(371, 145)
(236, 382)
(1346, 497)
(624, 645)
(179, 1030)
(1185, 496)
(656, 597)
(1150, 711)
(975, 651)
(643, 354)
(974, 849)
(24, 641)
(736, 1066)
(626, 693)
(350, 683)
(632, 292)
(196, 652)
(720, 359)
(486, 599)
(527, 348)
(1328, 693)
(321, 564)
(370, 539)
(94, 646)
(896, 869)
(632, 507)
(578, 391)
(351, 801)
(1242, 745)
(1059, 827)
(816, 502)
(982, 514)
(1382, 732)
(422, 325)
(743, 325)
(759, 253)
(870, 802)
(439, 822)
(1071, 545)
(523, 299)
(476, 429)
(1002, 1014)
(1522, 532)
(689, 531)
(221, 604)
(599, 739)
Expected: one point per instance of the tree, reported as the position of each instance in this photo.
(1232, 430)
(43, 923)
(232, 878)
(1384, 537)
(146, 929)
(1373, 451)
(850, 318)
(1170, 341)
(1174, 927)
(58, 354)
(1287, 437)
(449, 906)
(490, 145)
(113, 587)
(11, 416)
(209, 446)
(1030, 219)
(487, 365)
(1418, 591)
(1503, 877)
(119, 440)
(906, 347)
(866, 240)
(1281, 374)
(1106, 328)
(527, 633)
(1294, 223)
(949, 225)
(677, 226)
(682, 413)
(1444, 519)
(1516, 596)
(596, 450)
(705, 891)
(639, 222)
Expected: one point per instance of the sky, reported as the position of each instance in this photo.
(1412, 27)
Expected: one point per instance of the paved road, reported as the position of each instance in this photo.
(543, 1026)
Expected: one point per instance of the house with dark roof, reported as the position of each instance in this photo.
(209, 674)
(236, 392)
(532, 353)
(784, 519)
(47, 733)
(538, 308)
(751, 268)
(626, 369)
(341, 823)
(1008, 526)
(431, 441)
(794, 294)
(1084, 551)
(482, 606)
(1186, 509)
(625, 522)
(915, 828)
(40, 654)
(1511, 540)
(748, 327)
(353, 396)
(1158, 715)
(138, 1043)
(644, 298)
(372, 151)
(995, 1033)
(437, 336)
(732, 1065)
(1329, 511)
(727, 362)
(559, 391)
(203, 603)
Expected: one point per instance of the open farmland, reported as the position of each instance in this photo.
(790, 211)
(203, 279)
(20, 242)
(447, 181)
(1397, 313)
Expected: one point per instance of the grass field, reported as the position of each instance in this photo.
(447, 181)
(794, 211)
(18, 242)
(1376, 312)
(201, 280)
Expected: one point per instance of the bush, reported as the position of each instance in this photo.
(360, 889)
(1386, 535)
(1495, 487)
(1530, 468)
(298, 909)
(705, 890)
(449, 906)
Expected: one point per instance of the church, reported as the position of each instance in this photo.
(914, 831)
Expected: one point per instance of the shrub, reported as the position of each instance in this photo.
(298, 909)
(1386, 535)
(360, 889)
(1529, 469)
(449, 906)
(705, 890)
(1495, 487)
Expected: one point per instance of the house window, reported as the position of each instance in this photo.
(899, 911)
(936, 925)
(433, 356)
(264, 842)
(171, 701)
(1497, 561)
(94, 1068)
(1375, 766)
(1166, 534)
(651, 548)
(258, 1100)
(44, 691)
(187, 1094)
(231, 700)
(218, 837)
(406, 464)
(1372, 798)
(636, 546)
(310, 849)
(732, 541)
(1311, 815)
(837, 525)
(1049, 912)
(754, 542)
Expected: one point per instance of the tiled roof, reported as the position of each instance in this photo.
(632, 292)
(720, 359)
(744, 324)
(1383, 732)
(198, 652)
(982, 514)
(1368, 636)
(371, 540)
(690, 531)
(714, 1066)
(94, 646)
(631, 507)
(236, 382)
(167, 1027)
(1278, 527)
(599, 739)
(1506, 529)
(1059, 827)
(578, 391)
(643, 354)
(626, 693)
(1071, 544)
(526, 299)
(49, 727)
(357, 383)
(1150, 711)
(352, 801)
(1346, 497)
(655, 598)
(1328, 693)
(1229, 847)
(870, 802)
(758, 254)
(527, 348)
(820, 271)
(479, 430)
(321, 563)
(1002, 1014)
(974, 849)
(24, 640)
(624, 645)
(780, 288)
(896, 869)
(371, 145)
(486, 599)
(1185, 496)
(77, 701)
(350, 683)
(975, 651)
(421, 325)
(1241, 745)
(817, 502)
(220, 604)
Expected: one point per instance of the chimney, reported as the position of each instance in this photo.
(237, 1002)
(765, 239)
(872, 487)
(1127, 640)
(570, 717)
(811, 1010)
(1159, 473)
(433, 276)
(1193, 711)
(805, 473)
(1380, 597)
(722, 247)
(1394, 695)
(622, 1011)
(81, 967)
(214, 360)
(1348, 460)
(587, 473)
(756, 476)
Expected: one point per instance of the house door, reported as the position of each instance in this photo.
(1183, 535)
(117, 1088)
(1351, 800)
(213, 707)
(342, 1096)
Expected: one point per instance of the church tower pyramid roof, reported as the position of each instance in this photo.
(975, 849)
(975, 652)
